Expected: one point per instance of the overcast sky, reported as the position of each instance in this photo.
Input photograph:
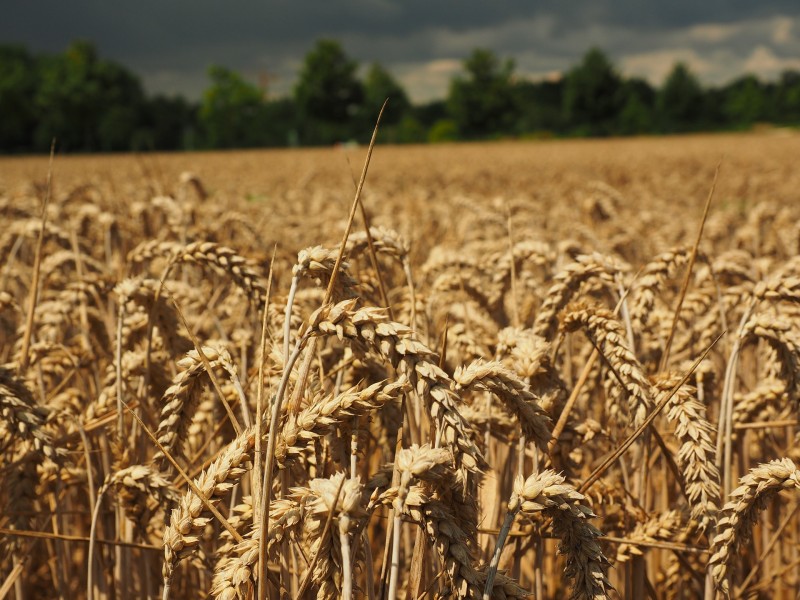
(170, 43)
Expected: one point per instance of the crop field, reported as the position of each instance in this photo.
(535, 370)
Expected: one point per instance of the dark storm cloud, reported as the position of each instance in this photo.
(171, 42)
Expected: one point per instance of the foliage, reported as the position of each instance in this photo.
(787, 97)
(379, 85)
(680, 100)
(168, 123)
(746, 101)
(539, 105)
(91, 104)
(17, 87)
(231, 111)
(85, 102)
(592, 98)
(444, 130)
(636, 115)
(328, 94)
(482, 103)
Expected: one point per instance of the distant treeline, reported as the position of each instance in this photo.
(91, 104)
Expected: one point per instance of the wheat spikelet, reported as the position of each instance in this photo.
(226, 261)
(547, 493)
(737, 517)
(317, 262)
(529, 356)
(780, 288)
(323, 414)
(54, 361)
(22, 418)
(423, 463)
(141, 491)
(234, 572)
(779, 333)
(500, 423)
(452, 543)
(148, 250)
(240, 518)
(348, 512)
(180, 399)
(662, 527)
(435, 466)
(523, 254)
(647, 285)
(384, 240)
(465, 342)
(485, 300)
(697, 454)
(187, 521)
(567, 283)
(412, 359)
(172, 210)
(430, 493)
(442, 259)
(29, 229)
(607, 334)
(19, 495)
(769, 392)
(512, 391)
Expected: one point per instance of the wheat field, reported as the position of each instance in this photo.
(535, 370)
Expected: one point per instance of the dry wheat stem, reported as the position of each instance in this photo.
(266, 489)
(34, 289)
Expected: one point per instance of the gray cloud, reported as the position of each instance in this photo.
(171, 42)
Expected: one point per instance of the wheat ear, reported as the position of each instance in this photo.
(412, 359)
(547, 493)
(494, 377)
(188, 520)
(737, 517)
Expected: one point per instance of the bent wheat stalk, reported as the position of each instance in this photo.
(739, 514)
(547, 493)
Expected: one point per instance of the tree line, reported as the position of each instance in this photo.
(92, 104)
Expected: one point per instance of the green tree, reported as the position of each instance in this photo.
(444, 130)
(539, 104)
(85, 102)
(232, 111)
(169, 123)
(636, 115)
(745, 101)
(378, 86)
(328, 95)
(592, 95)
(787, 101)
(680, 100)
(409, 131)
(482, 103)
(18, 77)
(429, 112)
(280, 123)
